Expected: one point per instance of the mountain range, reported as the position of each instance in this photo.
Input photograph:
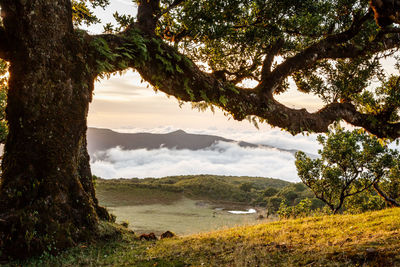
(103, 139)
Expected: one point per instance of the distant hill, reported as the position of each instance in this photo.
(117, 192)
(103, 139)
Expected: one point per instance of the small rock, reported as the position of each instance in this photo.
(148, 237)
(167, 234)
(281, 246)
(371, 254)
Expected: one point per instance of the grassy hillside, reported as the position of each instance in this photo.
(183, 204)
(207, 187)
(197, 203)
(370, 239)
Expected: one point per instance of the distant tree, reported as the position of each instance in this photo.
(350, 163)
(273, 204)
(289, 195)
(299, 187)
(270, 191)
(197, 51)
(246, 187)
(302, 209)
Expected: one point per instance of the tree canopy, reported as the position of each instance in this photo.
(350, 163)
(205, 51)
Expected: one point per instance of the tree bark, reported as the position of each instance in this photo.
(86, 179)
(47, 199)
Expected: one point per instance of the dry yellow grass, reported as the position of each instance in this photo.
(371, 238)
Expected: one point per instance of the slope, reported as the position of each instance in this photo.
(369, 239)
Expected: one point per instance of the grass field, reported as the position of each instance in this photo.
(182, 217)
(369, 239)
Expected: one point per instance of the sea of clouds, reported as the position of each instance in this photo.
(221, 159)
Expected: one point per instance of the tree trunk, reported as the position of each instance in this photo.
(86, 179)
(47, 199)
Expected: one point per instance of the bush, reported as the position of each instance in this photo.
(273, 203)
(299, 187)
(303, 209)
(246, 187)
(363, 202)
(270, 191)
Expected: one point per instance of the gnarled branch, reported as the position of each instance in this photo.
(333, 47)
(171, 72)
(147, 15)
(386, 11)
(272, 52)
(169, 8)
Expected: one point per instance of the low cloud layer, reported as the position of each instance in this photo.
(221, 159)
(264, 136)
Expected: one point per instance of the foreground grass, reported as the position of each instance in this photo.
(370, 239)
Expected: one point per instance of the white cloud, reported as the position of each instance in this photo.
(223, 159)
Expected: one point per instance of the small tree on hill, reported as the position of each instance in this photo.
(350, 163)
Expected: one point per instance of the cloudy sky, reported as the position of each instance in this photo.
(125, 104)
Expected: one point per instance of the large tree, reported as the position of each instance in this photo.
(198, 51)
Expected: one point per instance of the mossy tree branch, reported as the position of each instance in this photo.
(170, 71)
(173, 73)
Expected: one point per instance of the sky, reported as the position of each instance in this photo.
(125, 104)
